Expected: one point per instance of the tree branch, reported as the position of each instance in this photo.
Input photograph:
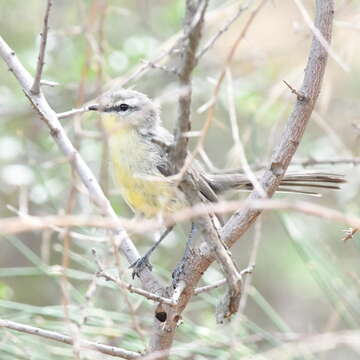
(292, 134)
(52, 335)
(15, 225)
(193, 23)
(35, 89)
(132, 289)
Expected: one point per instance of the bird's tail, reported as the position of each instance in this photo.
(293, 182)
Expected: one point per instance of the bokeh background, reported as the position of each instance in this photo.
(306, 280)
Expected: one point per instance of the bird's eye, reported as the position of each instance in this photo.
(117, 108)
(123, 107)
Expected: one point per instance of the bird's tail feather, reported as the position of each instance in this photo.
(232, 181)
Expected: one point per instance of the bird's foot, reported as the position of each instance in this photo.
(139, 265)
(178, 274)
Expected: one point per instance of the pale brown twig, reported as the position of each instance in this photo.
(52, 335)
(35, 89)
(221, 282)
(193, 23)
(299, 96)
(72, 112)
(320, 37)
(132, 289)
(211, 42)
(15, 225)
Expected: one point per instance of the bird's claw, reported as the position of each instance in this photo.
(139, 265)
(178, 274)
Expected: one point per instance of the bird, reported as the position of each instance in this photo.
(139, 155)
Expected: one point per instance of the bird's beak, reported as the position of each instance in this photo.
(94, 107)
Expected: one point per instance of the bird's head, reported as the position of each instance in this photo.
(128, 108)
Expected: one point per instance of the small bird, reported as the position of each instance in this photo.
(138, 145)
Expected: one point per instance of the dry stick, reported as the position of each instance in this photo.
(17, 225)
(221, 31)
(35, 89)
(292, 134)
(349, 234)
(311, 345)
(311, 161)
(124, 285)
(242, 219)
(221, 282)
(211, 105)
(322, 39)
(252, 261)
(52, 335)
(168, 48)
(194, 19)
(72, 112)
(49, 117)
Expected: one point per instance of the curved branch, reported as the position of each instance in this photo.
(282, 155)
(295, 127)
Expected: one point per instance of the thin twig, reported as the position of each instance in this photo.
(124, 285)
(35, 89)
(72, 112)
(221, 282)
(194, 19)
(349, 234)
(30, 223)
(313, 344)
(312, 161)
(221, 31)
(299, 96)
(320, 37)
(210, 106)
(292, 134)
(52, 335)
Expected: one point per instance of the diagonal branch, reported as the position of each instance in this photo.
(57, 132)
(52, 335)
(35, 89)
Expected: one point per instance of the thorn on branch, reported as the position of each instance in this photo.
(301, 97)
(349, 234)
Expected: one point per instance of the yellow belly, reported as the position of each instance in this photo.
(147, 197)
(135, 171)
